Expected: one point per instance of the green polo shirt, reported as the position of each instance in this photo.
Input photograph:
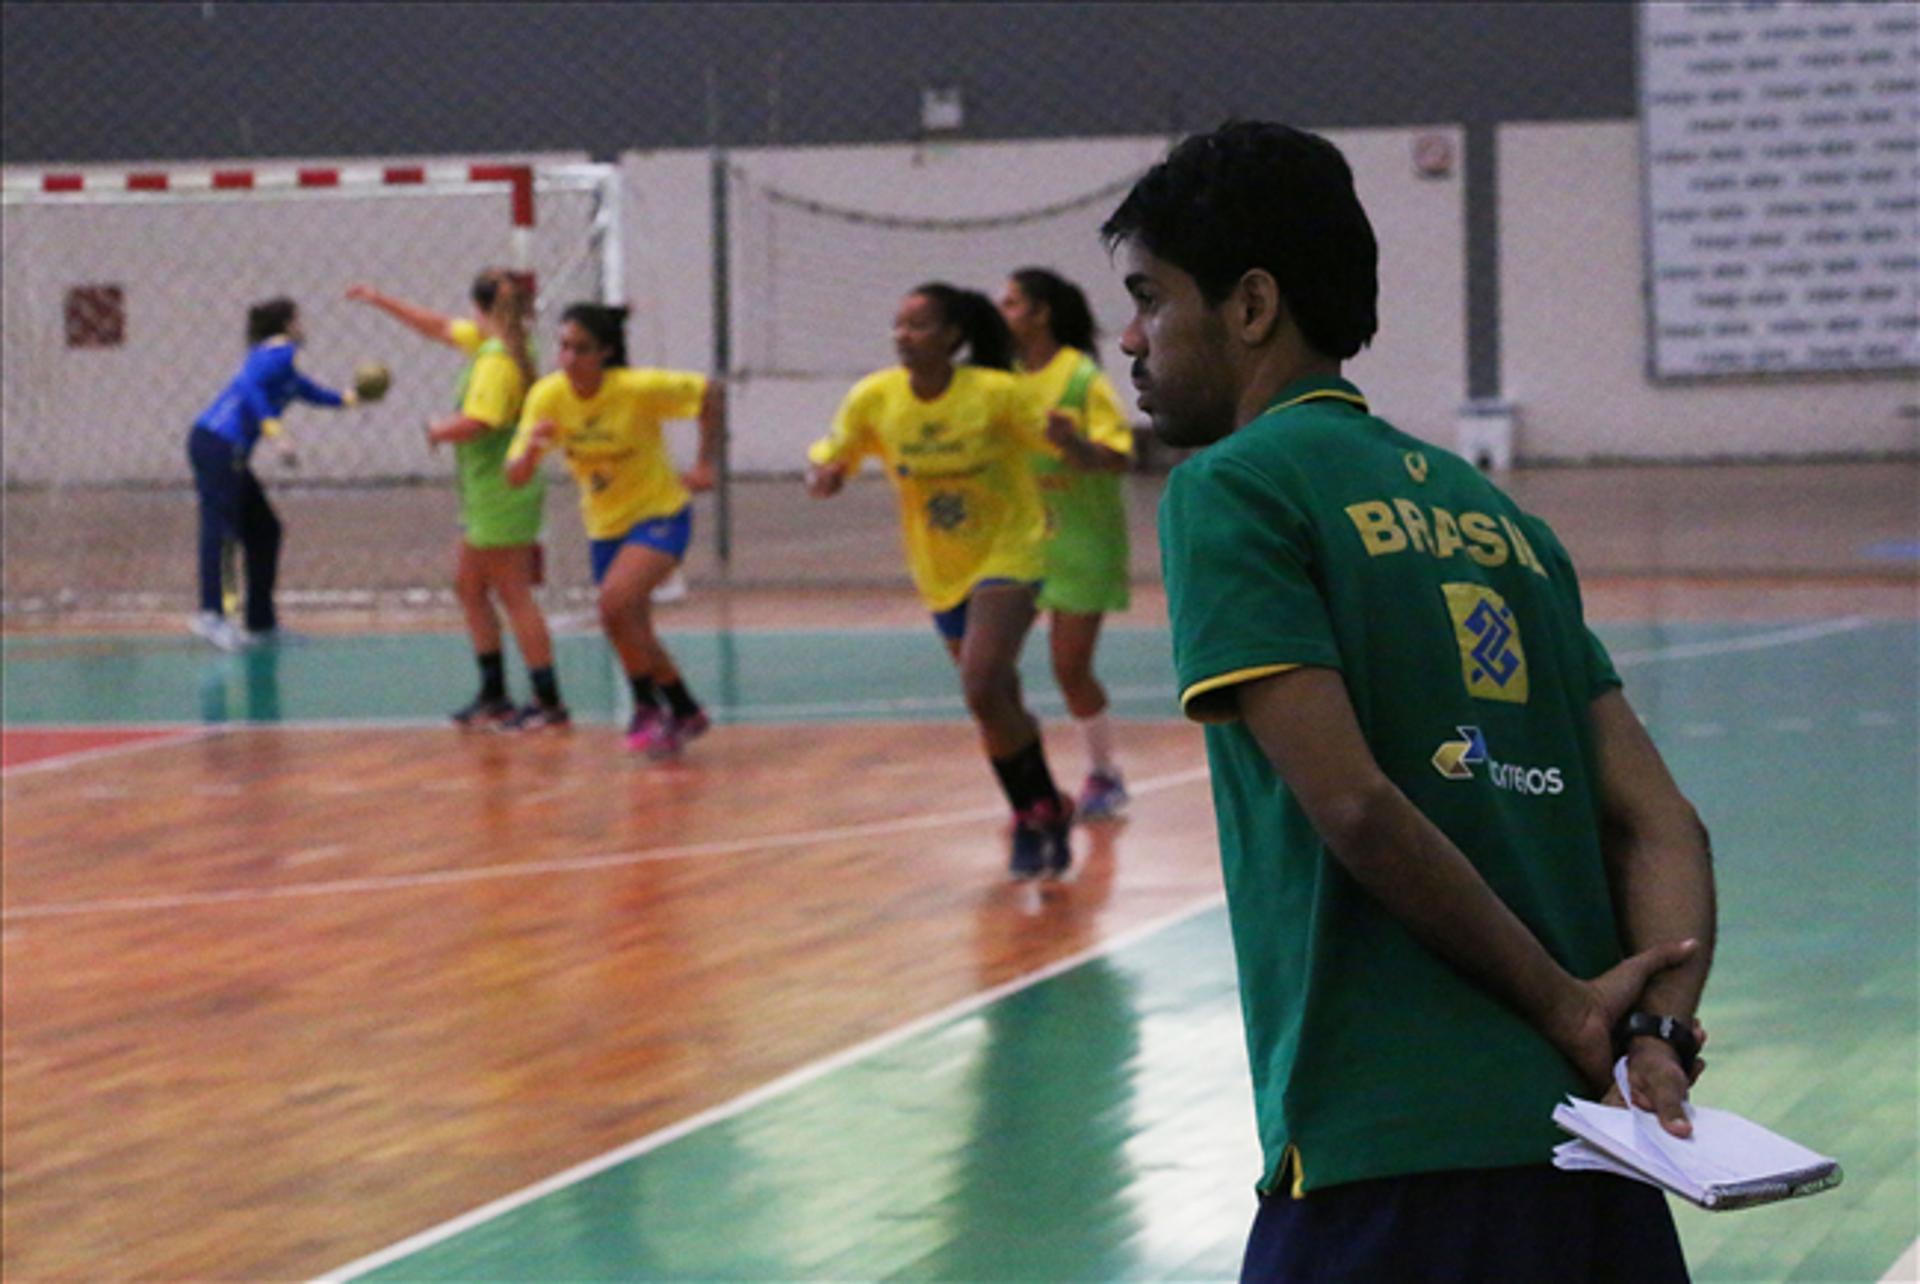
(1321, 535)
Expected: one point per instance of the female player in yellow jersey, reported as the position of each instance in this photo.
(956, 441)
(499, 543)
(606, 419)
(1080, 484)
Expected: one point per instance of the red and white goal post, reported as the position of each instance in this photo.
(125, 309)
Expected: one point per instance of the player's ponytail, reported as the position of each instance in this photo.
(503, 298)
(983, 331)
(607, 325)
(271, 319)
(1069, 319)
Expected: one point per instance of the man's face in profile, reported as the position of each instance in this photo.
(1178, 343)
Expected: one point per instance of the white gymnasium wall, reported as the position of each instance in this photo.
(1573, 323)
(1572, 315)
(666, 239)
(813, 296)
(667, 247)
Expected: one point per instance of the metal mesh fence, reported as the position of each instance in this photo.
(770, 180)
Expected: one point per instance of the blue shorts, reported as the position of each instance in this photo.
(1527, 1223)
(670, 535)
(951, 623)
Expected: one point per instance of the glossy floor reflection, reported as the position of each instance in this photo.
(342, 977)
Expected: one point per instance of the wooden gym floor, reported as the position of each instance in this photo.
(300, 982)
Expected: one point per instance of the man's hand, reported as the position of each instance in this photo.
(1583, 1031)
(362, 293)
(1659, 1085)
(824, 480)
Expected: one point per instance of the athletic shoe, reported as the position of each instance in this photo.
(1040, 840)
(645, 730)
(692, 727)
(1103, 797)
(217, 629)
(485, 712)
(672, 733)
(535, 715)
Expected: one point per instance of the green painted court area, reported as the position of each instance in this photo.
(1118, 1087)
(412, 677)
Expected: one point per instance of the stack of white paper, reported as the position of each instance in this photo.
(1728, 1162)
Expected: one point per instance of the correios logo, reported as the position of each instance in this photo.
(1456, 760)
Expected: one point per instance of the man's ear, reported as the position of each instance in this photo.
(1257, 310)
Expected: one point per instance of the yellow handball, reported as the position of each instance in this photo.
(371, 379)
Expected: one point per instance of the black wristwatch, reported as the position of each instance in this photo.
(1675, 1032)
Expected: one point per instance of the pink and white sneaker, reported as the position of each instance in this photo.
(690, 728)
(644, 731)
(665, 735)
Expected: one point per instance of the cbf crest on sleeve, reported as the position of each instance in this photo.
(1492, 661)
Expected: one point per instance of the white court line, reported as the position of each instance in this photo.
(1051, 700)
(1907, 1269)
(574, 864)
(779, 1087)
(759, 1096)
(59, 762)
(805, 713)
(1748, 642)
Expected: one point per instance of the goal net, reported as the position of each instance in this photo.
(125, 309)
(823, 247)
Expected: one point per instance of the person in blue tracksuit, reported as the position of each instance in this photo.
(232, 503)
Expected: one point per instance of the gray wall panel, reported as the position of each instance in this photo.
(110, 82)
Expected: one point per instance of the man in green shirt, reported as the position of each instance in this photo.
(1455, 863)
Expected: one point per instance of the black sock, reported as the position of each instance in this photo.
(679, 699)
(546, 687)
(645, 694)
(1024, 776)
(493, 676)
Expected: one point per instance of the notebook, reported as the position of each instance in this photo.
(1729, 1162)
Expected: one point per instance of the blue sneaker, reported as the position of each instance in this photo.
(1040, 840)
(1103, 797)
(484, 712)
(535, 716)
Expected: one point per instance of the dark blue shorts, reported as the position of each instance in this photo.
(670, 535)
(1527, 1223)
(951, 623)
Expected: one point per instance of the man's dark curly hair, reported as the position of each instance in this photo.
(1253, 194)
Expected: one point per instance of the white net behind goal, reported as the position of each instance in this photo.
(820, 283)
(99, 501)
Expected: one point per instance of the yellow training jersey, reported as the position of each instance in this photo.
(969, 508)
(613, 444)
(1103, 422)
(492, 385)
